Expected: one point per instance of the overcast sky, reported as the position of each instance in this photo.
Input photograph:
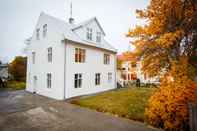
(18, 19)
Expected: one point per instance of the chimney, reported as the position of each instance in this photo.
(71, 20)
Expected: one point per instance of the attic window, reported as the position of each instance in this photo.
(89, 34)
(98, 37)
(38, 34)
(44, 30)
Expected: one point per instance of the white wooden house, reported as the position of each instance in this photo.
(131, 70)
(67, 59)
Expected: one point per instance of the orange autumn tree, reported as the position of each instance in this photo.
(167, 46)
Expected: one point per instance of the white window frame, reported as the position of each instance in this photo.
(78, 80)
(80, 55)
(97, 78)
(44, 33)
(106, 59)
(33, 57)
(38, 34)
(50, 54)
(109, 77)
(89, 34)
(49, 80)
(98, 37)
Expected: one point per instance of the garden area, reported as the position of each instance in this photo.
(14, 85)
(13, 75)
(125, 102)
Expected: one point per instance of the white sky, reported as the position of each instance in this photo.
(18, 19)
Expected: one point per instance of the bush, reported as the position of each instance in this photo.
(168, 107)
(16, 85)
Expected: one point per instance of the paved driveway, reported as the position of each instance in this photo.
(22, 111)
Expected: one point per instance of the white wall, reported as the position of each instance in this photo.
(42, 66)
(93, 64)
(63, 58)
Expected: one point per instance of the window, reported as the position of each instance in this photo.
(89, 34)
(80, 55)
(44, 30)
(38, 34)
(33, 57)
(109, 77)
(133, 65)
(48, 80)
(98, 37)
(106, 59)
(49, 54)
(78, 80)
(97, 79)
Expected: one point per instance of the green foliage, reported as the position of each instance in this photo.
(17, 68)
(129, 102)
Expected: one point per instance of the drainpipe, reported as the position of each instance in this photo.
(115, 65)
(64, 42)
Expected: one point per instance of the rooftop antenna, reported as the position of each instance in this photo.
(71, 20)
(71, 7)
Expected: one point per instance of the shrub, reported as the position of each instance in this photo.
(16, 85)
(168, 107)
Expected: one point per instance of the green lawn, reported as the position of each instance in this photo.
(128, 102)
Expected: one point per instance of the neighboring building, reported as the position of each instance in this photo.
(143, 77)
(4, 72)
(67, 60)
(127, 71)
(130, 71)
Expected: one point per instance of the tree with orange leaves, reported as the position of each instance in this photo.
(167, 44)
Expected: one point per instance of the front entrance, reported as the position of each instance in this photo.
(34, 84)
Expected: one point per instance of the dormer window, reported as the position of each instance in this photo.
(89, 34)
(98, 37)
(38, 34)
(44, 30)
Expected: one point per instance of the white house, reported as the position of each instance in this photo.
(4, 75)
(67, 59)
(143, 77)
(131, 70)
(127, 70)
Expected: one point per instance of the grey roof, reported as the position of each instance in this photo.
(87, 22)
(69, 34)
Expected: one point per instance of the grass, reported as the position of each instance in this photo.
(128, 102)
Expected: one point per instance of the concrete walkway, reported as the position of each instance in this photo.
(22, 111)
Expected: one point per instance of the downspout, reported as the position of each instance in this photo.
(64, 68)
(115, 70)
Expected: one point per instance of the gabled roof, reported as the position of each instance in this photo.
(69, 34)
(87, 22)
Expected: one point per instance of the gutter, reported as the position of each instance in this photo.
(93, 46)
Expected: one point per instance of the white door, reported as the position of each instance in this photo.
(34, 84)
